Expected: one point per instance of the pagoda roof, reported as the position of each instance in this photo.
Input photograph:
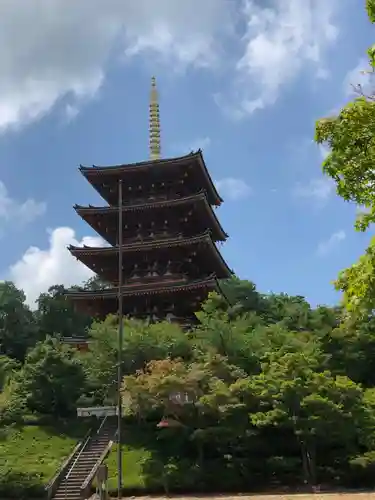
(87, 211)
(160, 288)
(99, 174)
(151, 245)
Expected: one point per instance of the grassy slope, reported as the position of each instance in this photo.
(40, 450)
(131, 467)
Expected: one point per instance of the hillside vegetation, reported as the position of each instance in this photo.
(267, 392)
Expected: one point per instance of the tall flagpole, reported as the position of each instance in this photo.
(120, 342)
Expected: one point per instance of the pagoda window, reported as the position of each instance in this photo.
(154, 269)
(135, 272)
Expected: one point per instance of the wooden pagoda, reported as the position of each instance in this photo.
(170, 261)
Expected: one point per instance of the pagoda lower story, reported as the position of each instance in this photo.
(174, 301)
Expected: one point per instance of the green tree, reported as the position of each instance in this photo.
(351, 347)
(56, 315)
(350, 137)
(18, 331)
(51, 379)
(322, 411)
(96, 283)
(141, 344)
(7, 368)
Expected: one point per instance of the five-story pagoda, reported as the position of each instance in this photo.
(168, 229)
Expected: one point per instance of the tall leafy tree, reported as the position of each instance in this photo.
(18, 331)
(322, 411)
(51, 379)
(56, 315)
(350, 137)
(7, 368)
(142, 343)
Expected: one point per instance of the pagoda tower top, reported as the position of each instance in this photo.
(154, 125)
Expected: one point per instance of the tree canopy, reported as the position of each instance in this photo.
(350, 137)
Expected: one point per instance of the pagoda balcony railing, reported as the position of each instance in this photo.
(152, 235)
(151, 278)
(153, 197)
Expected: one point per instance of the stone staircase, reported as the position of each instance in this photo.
(83, 462)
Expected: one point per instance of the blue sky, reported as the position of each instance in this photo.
(245, 80)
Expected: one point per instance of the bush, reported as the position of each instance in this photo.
(362, 471)
(20, 485)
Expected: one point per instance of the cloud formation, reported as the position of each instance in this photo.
(19, 212)
(233, 189)
(38, 269)
(54, 49)
(51, 49)
(318, 190)
(280, 39)
(327, 246)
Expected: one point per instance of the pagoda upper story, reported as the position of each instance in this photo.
(170, 260)
(154, 180)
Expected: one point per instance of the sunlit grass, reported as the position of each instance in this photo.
(38, 450)
(132, 460)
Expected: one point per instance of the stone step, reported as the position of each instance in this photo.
(69, 489)
(69, 495)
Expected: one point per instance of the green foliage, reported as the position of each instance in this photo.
(350, 137)
(142, 343)
(370, 5)
(31, 455)
(19, 485)
(315, 405)
(56, 315)
(7, 367)
(265, 390)
(18, 331)
(51, 379)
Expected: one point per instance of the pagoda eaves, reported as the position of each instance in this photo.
(196, 255)
(160, 300)
(194, 208)
(103, 178)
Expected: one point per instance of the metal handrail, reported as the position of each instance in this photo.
(92, 472)
(80, 452)
(75, 461)
(95, 467)
(101, 425)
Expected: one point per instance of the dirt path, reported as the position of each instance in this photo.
(304, 496)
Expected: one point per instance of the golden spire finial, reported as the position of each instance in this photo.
(154, 122)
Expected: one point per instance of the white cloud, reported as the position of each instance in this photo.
(200, 143)
(318, 190)
(51, 49)
(39, 269)
(54, 49)
(359, 78)
(327, 246)
(232, 188)
(17, 211)
(280, 40)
